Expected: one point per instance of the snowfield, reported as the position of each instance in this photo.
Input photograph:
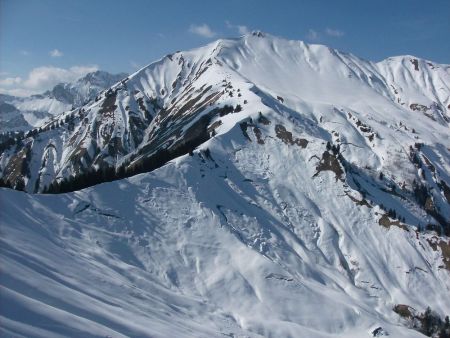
(277, 225)
(174, 254)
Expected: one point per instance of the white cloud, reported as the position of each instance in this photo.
(10, 81)
(203, 30)
(17, 92)
(43, 78)
(312, 35)
(24, 52)
(334, 32)
(242, 29)
(55, 53)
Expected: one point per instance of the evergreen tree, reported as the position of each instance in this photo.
(20, 185)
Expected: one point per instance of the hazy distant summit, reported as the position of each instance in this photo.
(22, 113)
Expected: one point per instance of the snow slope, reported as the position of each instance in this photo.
(238, 251)
(264, 230)
(175, 254)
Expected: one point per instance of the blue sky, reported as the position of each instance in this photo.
(46, 41)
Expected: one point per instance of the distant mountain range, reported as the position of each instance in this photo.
(24, 113)
(253, 187)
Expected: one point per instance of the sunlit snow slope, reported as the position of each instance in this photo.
(310, 212)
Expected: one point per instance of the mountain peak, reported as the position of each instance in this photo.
(258, 34)
(327, 172)
(102, 77)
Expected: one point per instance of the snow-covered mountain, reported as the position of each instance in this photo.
(32, 111)
(295, 190)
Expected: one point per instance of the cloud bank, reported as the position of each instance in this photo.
(43, 78)
(202, 30)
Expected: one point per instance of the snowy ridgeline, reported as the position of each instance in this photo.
(315, 205)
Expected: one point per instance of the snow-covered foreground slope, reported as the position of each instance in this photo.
(301, 192)
(238, 244)
(239, 239)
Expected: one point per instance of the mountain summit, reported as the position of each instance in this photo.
(261, 187)
(171, 103)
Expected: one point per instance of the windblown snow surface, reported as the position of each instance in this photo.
(249, 235)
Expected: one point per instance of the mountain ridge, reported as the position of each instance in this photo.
(433, 112)
(274, 189)
(37, 108)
